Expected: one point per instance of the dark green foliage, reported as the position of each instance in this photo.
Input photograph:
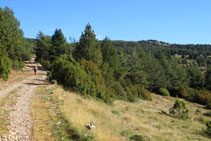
(109, 54)
(96, 78)
(187, 93)
(88, 47)
(99, 87)
(191, 94)
(54, 82)
(13, 48)
(137, 138)
(5, 66)
(70, 73)
(28, 48)
(49, 48)
(203, 97)
(208, 78)
(120, 91)
(134, 92)
(208, 129)
(164, 92)
(196, 77)
(179, 110)
(43, 47)
(144, 94)
(58, 45)
(127, 70)
(83, 77)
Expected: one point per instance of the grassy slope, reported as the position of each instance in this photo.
(122, 119)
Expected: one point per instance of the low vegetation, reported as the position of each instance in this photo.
(208, 129)
(164, 92)
(143, 120)
(179, 109)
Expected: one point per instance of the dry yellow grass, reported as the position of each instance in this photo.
(42, 117)
(143, 117)
(121, 120)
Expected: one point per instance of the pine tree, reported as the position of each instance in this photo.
(88, 47)
(42, 47)
(109, 53)
(58, 44)
(196, 77)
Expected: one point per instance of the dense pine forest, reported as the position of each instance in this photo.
(109, 70)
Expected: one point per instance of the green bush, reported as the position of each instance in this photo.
(137, 138)
(179, 109)
(120, 91)
(54, 82)
(144, 94)
(5, 67)
(126, 133)
(203, 97)
(164, 92)
(132, 93)
(208, 130)
(83, 77)
(187, 93)
(47, 65)
(203, 120)
(17, 65)
(191, 94)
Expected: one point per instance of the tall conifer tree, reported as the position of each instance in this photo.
(58, 44)
(88, 46)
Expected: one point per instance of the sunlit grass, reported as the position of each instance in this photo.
(118, 121)
(142, 118)
(43, 119)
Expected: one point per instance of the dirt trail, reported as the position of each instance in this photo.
(20, 114)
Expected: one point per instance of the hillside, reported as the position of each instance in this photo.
(57, 114)
(113, 122)
(93, 89)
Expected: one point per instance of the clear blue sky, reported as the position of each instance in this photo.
(174, 21)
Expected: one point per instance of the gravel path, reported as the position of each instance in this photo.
(20, 115)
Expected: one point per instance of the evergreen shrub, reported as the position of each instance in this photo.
(54, 82)
(83, 77)
(144, 94)
(187, 93)
(203, 97)
(120, 91)
(5, 67)
(164, 92)
(179, 109)
(137, 138)
(208, 130)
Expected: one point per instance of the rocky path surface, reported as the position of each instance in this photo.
(20, 114)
